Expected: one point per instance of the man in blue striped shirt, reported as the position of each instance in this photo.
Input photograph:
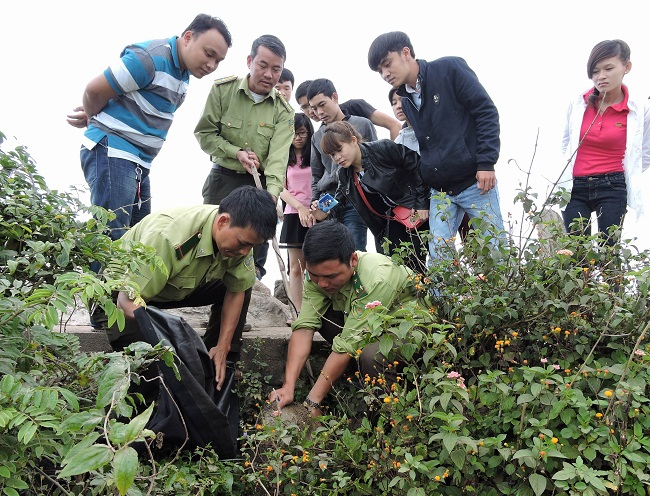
(129, 108)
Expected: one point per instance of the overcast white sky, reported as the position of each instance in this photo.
(530, 56)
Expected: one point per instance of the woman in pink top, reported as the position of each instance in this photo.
(606, 143)
(297, 196)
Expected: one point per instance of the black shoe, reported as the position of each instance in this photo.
(98, 318)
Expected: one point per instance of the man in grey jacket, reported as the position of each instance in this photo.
(324, 102)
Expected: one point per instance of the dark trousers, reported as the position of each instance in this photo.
(605, 194)
(210, 294)
(219, 184)
(396, 232)
(371, 361)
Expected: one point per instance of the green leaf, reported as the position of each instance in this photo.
(535, 388)
(449, 439)
(538, 483)
(16, 483)
(136, 425)
(70, 397)
(522, 453)
(125, 466)
(458, 457)
(26, 432)
(589, 453)
(4, 472)
(386, 344)
(92, 458)
(444, 400)
(525, 398)
(10, 491)
(113, 383)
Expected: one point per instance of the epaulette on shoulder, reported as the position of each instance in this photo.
(182, 249)
(284, 101)
(224, 80)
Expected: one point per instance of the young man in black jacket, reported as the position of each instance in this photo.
(457, 126)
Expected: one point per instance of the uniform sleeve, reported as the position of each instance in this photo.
(276, 162)
(133, 71)
(355, 328)
(473, 96)
(151, 283)
(241, 276)
(208, 129)
(314, 305)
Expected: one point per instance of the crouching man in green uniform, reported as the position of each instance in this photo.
(207, 250)
(340, 285)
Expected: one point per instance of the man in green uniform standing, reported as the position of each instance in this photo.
(207, 250)
(340, 286)
(247, 123)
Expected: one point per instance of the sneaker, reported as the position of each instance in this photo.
(247, 327)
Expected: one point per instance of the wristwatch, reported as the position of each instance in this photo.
(310, 403)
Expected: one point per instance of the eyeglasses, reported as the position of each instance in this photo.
(302, 134)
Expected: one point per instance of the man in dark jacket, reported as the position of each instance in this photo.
(457, 127)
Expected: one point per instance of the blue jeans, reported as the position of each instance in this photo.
(444, 220)
(605, 194)
(113, 185)
(351, 219)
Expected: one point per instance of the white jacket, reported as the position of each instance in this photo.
(637, 151)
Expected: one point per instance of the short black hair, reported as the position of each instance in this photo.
(301, 90)
(391, 93)
(286, 75)
(271, 42)
(328, 240)
(321, 85)
(385, 43)
(204, 22)
(249, 206)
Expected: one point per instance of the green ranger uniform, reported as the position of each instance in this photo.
(182, 237)
(233, 121)
(376, 278)
(198, 274)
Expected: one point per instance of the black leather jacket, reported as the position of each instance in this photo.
(390, 169)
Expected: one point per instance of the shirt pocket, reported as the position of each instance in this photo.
(231, 125)
(265, 131)
(183, 282)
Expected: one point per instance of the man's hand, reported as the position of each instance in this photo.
(282, 396)
(422, 214)
(486, 181)
(218, 356)
(248, 160)
(79, 119)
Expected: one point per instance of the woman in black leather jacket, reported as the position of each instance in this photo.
(388, 174)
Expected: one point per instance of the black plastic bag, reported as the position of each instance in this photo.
(210, 416)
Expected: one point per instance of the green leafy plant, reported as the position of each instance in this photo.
(531, 377)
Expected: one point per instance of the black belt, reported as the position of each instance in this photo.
(593, 177)
(225, 171)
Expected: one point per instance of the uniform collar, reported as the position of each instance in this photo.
(243, 85)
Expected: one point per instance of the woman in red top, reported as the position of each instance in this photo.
(604, 143)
